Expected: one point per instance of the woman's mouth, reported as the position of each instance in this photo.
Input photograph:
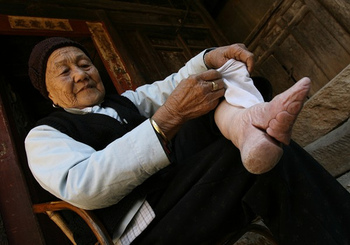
(88, 86)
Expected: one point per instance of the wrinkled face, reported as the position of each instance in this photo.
(72, 81)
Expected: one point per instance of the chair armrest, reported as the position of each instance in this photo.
(91, 220)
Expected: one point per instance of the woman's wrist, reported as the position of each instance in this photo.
(167, 123)
(159, 130)
(205, 58)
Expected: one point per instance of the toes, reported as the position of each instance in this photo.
(294, 107)
(284, 118)
(305, 81)
(280, 127)
(287, 107)
(284, 137)
(300, 90)
(282, 123)
(295, 95)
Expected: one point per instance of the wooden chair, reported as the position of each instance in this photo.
(52, 209)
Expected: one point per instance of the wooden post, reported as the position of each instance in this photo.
(15, 205)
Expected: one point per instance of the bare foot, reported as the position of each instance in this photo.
(259, 131)
(278, 116)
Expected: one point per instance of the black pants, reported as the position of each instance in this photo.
(207, 194)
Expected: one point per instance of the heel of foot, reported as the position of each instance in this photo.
(261, 158)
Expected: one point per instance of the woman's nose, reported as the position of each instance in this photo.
(79, 75)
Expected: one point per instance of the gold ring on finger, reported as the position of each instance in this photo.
(214, 86)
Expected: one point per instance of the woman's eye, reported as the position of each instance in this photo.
(84, 64)
(64, 71)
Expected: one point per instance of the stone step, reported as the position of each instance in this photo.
(345, 181)
(332, 150)
(325, 110)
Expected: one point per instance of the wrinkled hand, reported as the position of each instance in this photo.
(218, 57)
(192, 98)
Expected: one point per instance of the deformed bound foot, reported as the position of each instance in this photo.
(260, 131)
(281, 113)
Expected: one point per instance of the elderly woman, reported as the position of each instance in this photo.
(175, 178)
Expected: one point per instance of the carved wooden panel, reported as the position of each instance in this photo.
(305, 39)
(23, 25)
(159, 41)
(159, 55)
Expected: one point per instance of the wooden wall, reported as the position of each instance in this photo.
(293, 38)
(166, 32)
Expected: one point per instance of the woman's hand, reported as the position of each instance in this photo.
(218, 57)
(193, 97)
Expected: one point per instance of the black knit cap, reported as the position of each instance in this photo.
(40, 54)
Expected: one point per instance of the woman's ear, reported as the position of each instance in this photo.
(50, 96)
(55, 105)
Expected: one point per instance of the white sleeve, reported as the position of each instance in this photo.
(148, 98)
(91, 179)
